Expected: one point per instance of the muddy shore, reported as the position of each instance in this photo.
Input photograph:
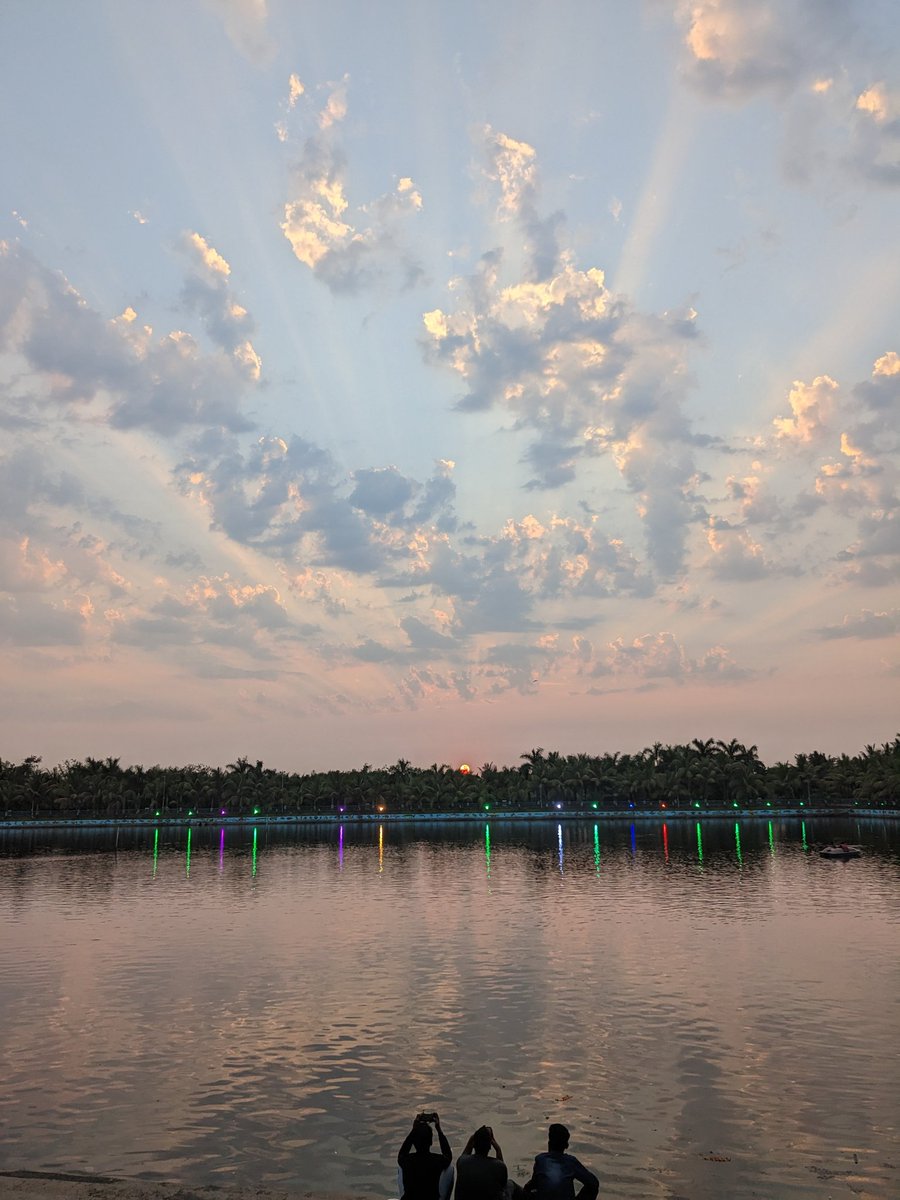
(40, 1185)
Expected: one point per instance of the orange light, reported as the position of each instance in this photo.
(465, 769)
(381, 808)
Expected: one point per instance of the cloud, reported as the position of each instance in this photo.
(206, 291)
(212, 614)
(811, 408)
(246, 24)
(348, 249)
(513, 165)
(867, 625)
(735, 49)
(381, 491)
(135, 379)
(39, 622)
(654, 656)
(577, 368)
(734, 554)
(814, 58)
(876, 147)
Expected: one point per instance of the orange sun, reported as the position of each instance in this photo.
(465, 769)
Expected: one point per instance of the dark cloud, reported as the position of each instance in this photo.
(867, 625)
(38, 622)
(162, 384)
(380, 491)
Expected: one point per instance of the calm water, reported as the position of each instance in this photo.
(272, 1008)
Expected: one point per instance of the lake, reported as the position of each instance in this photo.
(711, 1008)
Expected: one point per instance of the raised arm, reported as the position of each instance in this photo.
(407, 1145)
(495, 1144)
(446, 1152)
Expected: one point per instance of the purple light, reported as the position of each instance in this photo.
(558, 805)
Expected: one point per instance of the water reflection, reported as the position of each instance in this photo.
(668, 1008)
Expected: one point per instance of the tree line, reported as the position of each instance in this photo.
(700, 775)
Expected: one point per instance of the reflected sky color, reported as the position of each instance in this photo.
(105, 990)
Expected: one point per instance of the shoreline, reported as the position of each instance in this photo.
(60, 1185)
(572, 814)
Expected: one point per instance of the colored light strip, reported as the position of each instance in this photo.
(222, 848)
(187, 855)
(253, 856)
(560, 844)
(487, 849)
(380, 849)
(341, 848)
(699, 844)
(596, 849)
(155, 851)
(737, 843)
(665, 841)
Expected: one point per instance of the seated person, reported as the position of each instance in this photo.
(423, 1175)
(478, 1176)
(555, 1172)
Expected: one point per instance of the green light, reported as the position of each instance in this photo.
(699, 844)
(187, 856)
(696, 804)
(157, 812)
(155, 850)
(734, 804)
(487, 808)
(594, 805)
(487, 849)
(737, 843)
(190, 812)
(768, 804)
(596, 848)
(771, 839)
(256, 812)
(803, 833)
(253, 857)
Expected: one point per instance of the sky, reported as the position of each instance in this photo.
(438, 382)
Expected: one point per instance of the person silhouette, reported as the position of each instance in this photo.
(423, 1175)
(478, 1176)
(556, 1172)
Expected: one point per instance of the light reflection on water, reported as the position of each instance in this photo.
(272, 1006)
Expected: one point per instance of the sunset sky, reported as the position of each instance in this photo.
(433, 381)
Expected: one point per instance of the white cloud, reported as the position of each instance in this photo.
(811, 408)
(347, 249)
(577, 368)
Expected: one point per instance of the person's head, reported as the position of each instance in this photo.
(422, 1136)
(557, 1137)
(481, 1140)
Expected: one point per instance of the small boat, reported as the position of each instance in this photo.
(841, 850)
